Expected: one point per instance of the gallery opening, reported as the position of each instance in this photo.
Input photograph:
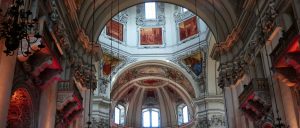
(149, 64)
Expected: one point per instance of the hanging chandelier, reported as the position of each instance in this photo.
(18, 27)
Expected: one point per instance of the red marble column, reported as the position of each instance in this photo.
(48, 106)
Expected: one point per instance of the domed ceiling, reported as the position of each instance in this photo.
(173, 34)
(173, 30)
(152, 76)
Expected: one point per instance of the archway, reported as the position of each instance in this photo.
(217, 14)
(154, 85)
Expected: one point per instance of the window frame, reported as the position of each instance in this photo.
(180, 114)
(187, 114)
(122, 114)
(151, 110)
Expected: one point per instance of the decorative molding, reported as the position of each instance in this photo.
(230, 72)
(246, 24)
(122, 17)
(83, 74)
(100, 123)
(83, 39)
(181, 16)
(211, 121)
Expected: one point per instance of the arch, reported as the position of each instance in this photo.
(20, 111)
(223, 13)
(167, 64)
(120, 92)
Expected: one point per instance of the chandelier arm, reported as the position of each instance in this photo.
(17, 25)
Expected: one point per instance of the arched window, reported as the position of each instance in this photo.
(182, 114)
(151, 118)
(120, 114)
(185, 114)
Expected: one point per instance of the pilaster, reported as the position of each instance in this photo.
(7, 68)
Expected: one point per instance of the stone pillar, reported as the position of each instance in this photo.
(47, 109)
(86, 106)
(235, 105)
(7, 68)
(288, 105)
(259, 67)
(229, 106)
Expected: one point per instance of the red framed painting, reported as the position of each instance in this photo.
(188, 28)
(114, 29)
(151, 36)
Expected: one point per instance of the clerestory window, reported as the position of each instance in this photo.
(150, 10)
(151, 118)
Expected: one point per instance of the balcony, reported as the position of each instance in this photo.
(255, 100)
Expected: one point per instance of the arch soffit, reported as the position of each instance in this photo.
(170, 65)
(225, 14)
(121, 91)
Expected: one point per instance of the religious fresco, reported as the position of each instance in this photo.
(114, 29)
(151, 36)
(109, 63)
(194, 62)
(154, 71)
(188, 28)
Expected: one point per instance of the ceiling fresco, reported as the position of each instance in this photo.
(108, 64)
(151, 82)
(194, 63)
(154, 77)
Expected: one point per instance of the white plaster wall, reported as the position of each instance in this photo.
(131, 47)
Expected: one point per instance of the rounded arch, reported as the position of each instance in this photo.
(121, 91)
(219, 14)
(166, 64)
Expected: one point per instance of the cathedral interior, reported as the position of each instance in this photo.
(149, 63)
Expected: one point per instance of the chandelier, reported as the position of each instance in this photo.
(17, 27)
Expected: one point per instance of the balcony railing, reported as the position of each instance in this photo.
(67, 89)
(256, 85)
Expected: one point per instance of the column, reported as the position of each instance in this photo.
(229, 104)
(7, 68)
(47, 108)
(235, 105)
(288, 105)
(86, 106)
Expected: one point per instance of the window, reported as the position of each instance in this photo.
(120, 115)
(117, 115)
(185, 114)
(150, 10)
(151, 118)
(183, 10)
(182, 114)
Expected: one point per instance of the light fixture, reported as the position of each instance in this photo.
(17, 27)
